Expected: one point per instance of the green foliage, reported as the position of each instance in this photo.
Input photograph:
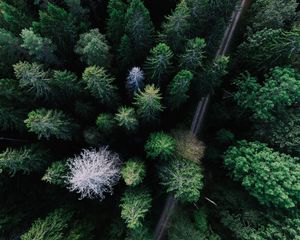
(105, 123)
(50, 228)
(148, 103)
(125, 53)
(183, 178)
(225, 136)
(10, 51)
(271, 177)
(50, 123)
(11, 118)
(82, 231)
(13, 19)
(160, 145)
(39, 48)
(281, 90)
(175, 29)
(269, 48)
(133, 172)
(193, 55)
(116, 21)
(100, 84)
(126, 118)
(273, 13)
(139, 29)
(33, 78)
(135, 204)
(55, 173)
(141, 233)
(158, 63)
(93, 48)
(177, 92)
(26, 160)
(58, 25)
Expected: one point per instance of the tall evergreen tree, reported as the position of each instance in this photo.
(126, 118)
(50, 123)
(93, 48)
(133, 172)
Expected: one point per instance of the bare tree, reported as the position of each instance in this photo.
(94, 172)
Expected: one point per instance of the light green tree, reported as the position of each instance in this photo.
(55, 173)
(126, 118)
(133, 172)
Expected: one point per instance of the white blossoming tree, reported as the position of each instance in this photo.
(135, 79)
(94, 173)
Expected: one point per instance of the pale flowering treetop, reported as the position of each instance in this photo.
(93, 173)
(135, 79)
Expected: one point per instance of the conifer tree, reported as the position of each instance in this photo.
(79, 12)
(55, 173)
(133, 172)
(115, 27)
(51, 227)
(11, 118)
(93, 49)
(126, 118)
(135, 204)
(148, 103)
(100, 84)
(271, 177)
(175, 29)
(158, 63)
(139, 29)
(193, 55)
(12, 19)
(105, 123)
(26, 160)
(50, 123)
(39, 48)
(135, 80)
(177, 92)
(160, 145)
(183, 178)
(125, 53)
(33, 78)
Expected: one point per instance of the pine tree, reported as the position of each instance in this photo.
(105, 123)
(93, 49)
(148, 103)
(52, 227)
(55, 173)
(39, 48)
(33, 78)
(100, 84)
(193, 55)
(50, 123)
(10, 51)
(133, 172)
(125, 53)
(175, 30)
(158, 63)
(139, 29)
(26, 160)
(135, 204)
(13, 19)
(183, 178)
(126, 118)
(268, 175)
(93, 173)
(58, 25)
(115, 27)
(177, 92)
(135, 80)
(160, 145)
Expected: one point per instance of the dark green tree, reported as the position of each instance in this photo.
(148, 103)
(178, 89)
(270, 176)
(11, 118)
(105, 123)
(25, 160)
(135, 204)
(183, 178)
(176, 28)
(160, 145)
(93, 48)
(39, 48)
(115, 27)
(125, 53)
(158, 63)
(133, 172)
(126, 118)
(100, 84)
(50, 123)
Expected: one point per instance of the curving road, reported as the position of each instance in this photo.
(202, 106)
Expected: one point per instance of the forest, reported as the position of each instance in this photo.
(149, 120)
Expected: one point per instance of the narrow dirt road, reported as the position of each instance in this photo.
(161, 227)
